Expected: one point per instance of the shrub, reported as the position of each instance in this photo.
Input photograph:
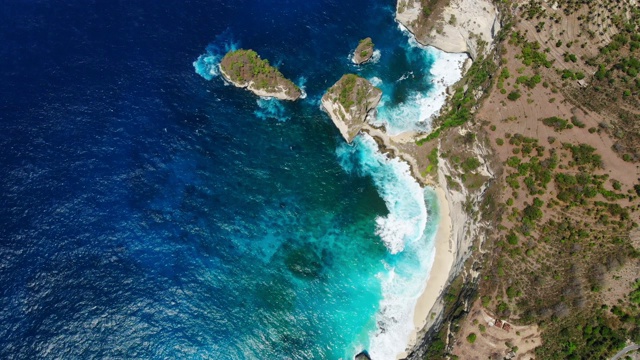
(472, 338)
(499, 141)
(514, 95)
(470, 164)
(575, 121)
(557, 123)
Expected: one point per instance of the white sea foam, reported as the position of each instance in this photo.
(206, 65)
(402, 194)
(271, 108)
(302, 81)
(375, 81)
(406, 235)
(375, 57)
(419, 109)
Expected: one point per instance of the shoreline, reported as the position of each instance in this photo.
(444, 257)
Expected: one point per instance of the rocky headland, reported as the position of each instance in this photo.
(363, 52)
(455, 26)
(245, 69)
(349, 102)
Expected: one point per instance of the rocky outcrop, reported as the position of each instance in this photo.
(455, 26)
(245, 69)
(349, 102)
(363, 52)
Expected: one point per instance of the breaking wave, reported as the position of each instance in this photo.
(408, 236)
(206, 65)
(420, 108)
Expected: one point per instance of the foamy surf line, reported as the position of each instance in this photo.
(417, 112)
(408, 236)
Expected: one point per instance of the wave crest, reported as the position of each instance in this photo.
(402, 195)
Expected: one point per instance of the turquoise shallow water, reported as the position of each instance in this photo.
(152, 211)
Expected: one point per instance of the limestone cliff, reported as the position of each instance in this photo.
(363, 52)
(454, 26)
(245, 69)
(349, 102)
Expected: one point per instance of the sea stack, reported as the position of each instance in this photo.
(349, 102)
(363, 52)
(245, 69)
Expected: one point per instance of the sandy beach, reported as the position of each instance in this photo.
(442, 264)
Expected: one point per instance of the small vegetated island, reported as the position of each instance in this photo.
(348, 102)
(363, 52)
(245, 69)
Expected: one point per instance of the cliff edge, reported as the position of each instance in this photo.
(348, 102)
(456, 26)
(363, 52)
(245, 69)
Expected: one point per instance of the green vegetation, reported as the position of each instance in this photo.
(470, 164)
(572, 75)
(557, 123)
(472, 338)
(355, 95)
(565, 222)
(364, 50)
(347, 85)
(578, 123)
(504, 74)
(583, 228)
(634, 296)
(243, 66)
(595, 336)
(583, 154)
(529, 82)
(514, 95)
(432, 168)
(477, 78)
(530, 56)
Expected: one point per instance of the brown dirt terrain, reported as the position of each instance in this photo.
(572, 263)
(493, 342)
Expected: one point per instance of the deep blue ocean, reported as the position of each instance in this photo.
(149, 210)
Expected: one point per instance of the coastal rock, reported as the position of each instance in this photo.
(363, 52)
(454, 26)
(349, 102)
(245, 69)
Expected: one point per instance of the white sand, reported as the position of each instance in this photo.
(442, 265)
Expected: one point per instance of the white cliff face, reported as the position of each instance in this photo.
(468, 26)
(363, 98)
